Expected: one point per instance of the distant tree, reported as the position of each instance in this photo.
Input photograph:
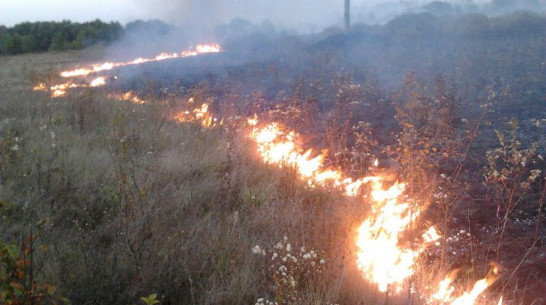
(470, 26)
(28, 44)
(439, 8)
(413, 26)
(519, 24)
(149, 28)
(57, 43)
(11, 44)
(44, 36)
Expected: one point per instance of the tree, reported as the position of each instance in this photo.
(11, 44)
(28, 44)
(57, 43)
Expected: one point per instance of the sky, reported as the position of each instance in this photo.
(283, 13)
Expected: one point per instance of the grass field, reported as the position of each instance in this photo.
(110, 201)
(123, 204)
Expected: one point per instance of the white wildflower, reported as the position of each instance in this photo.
(292, 282)
(322, 262)
(15, 147)
(256, 249)
(288, 247)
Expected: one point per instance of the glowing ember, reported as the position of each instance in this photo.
(40, 87)
(58, 93)
(199, 49)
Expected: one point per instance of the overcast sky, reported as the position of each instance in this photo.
(286, 13)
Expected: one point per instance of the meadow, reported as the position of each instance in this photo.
(105, 201)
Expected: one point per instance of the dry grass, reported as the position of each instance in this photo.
(135, 205)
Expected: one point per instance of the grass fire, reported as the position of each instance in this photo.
(391, 156)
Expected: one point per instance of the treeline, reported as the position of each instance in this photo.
(30, 37)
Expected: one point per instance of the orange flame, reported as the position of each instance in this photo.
(445, 291)
(59, 90)
(199, 114)
(129, 96)
(381, 257)
(99, 81)
(199, 49)
(382, 260)
(278, 147)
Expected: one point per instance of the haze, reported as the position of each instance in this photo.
(304, 15)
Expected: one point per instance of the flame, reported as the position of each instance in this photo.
(58, 93)
(40, 87)
(132, 97)
(382, 258)
(277, 146)
(199, 49)
(59, 90)
(431, 235)
(129, 96)
(445, 291)
(199, 114)
(99, 81)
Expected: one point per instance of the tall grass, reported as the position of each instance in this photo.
(128, 203)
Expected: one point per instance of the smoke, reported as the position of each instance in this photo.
(204, 15)
(304, 16)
